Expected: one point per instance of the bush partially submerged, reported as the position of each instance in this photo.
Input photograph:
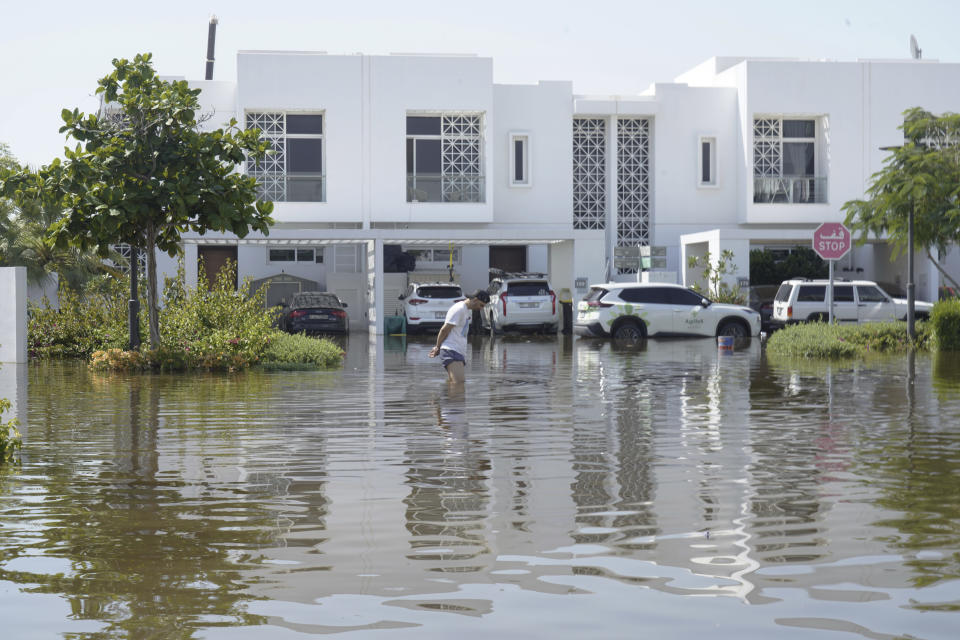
(822, 340)
(9, 435)
(286, 351)
(218, 328)
(945, 321)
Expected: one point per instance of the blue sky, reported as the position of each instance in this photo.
(52, 53)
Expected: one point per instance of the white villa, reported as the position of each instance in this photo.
(426, 154)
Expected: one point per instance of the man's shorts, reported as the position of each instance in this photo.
(449, 355)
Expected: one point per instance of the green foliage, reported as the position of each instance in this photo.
(822, 340)
(718, 289)
(286, 351)
(802, 262)
(10, 440)
(923, 174)
(945, 320)
(143, 172)
(216, 327)
(93, 319)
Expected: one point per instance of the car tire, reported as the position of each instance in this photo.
(629, 330)
(733, 329)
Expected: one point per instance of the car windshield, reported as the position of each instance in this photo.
(312, 299)
(439, 292)
(529, 288)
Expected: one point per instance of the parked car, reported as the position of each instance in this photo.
(635, 310)
(854, 301)
(521, 301)
(760, 299)
(425, 305)
(315, 312)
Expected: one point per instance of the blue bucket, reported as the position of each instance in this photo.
(725, 342)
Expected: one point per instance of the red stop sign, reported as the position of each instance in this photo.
(832, 240)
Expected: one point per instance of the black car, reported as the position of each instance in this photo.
(315, 312)
(761, 300)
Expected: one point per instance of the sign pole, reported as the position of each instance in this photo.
(830, 291)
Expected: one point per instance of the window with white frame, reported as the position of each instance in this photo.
(434, 256)
(294, 172)
(519, 150)
(295, 254)
(445, 157)
(707, 161)
(786, 161)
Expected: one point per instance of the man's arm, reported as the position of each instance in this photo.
(441, 336)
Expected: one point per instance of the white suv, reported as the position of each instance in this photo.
(521, 301)
(633, 311)
(425, 305)
(856, 301)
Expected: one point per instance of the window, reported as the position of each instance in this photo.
(294, 172)
(438, 256)
(812, 293)
(295, 255)
(444, 158)
(520, 160)
(684, 297)
(842, 293)
(646, 295)
(589, 173)
(707, 156)
(871, 294)
(785, 161)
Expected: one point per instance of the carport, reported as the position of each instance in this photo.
(575, 258)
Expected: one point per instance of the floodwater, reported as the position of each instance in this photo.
(572, 489)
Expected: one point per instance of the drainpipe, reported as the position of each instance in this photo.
(211, 39)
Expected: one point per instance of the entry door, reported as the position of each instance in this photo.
(874, 305)
(512, 259)
(214, 258)
(844, 307)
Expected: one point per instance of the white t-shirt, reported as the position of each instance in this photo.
(459, 316)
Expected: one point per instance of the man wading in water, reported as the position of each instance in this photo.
(452, 338)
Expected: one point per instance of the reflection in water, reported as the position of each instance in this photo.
(571, 487)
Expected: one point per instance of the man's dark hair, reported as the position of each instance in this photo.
(480, 295)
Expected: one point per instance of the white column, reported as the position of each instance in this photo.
(374, 269)
(13, 321)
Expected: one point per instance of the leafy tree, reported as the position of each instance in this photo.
(922, 175)
(143, 172)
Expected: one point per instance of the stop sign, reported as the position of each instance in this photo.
(832, 240)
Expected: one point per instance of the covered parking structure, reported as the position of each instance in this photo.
(574, 258)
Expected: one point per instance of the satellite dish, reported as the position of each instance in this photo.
(915, 51)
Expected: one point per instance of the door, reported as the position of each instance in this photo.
(873, 305)
(512, 259)
(844, 306)
(213, 258)
(689, 317)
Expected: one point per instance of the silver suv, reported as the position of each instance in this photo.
(854, 301)
(521, 301)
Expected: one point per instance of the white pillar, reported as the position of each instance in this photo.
(374, 268)
(13, 320)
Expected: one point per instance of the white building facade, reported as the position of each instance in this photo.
(426, 154)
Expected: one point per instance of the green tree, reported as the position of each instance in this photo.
(143, 172)
(922, 175)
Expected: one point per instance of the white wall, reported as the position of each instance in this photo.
(13, 320)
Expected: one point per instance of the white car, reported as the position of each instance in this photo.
(854, 302)
(521, 301)
(425, 305)
(633, 311)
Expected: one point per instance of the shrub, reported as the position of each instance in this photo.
(945, 321)
(117, 360)
(821, 340)
(286, 351)
(94, 319)
(9, 435)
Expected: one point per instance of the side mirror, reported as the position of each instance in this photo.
(705, 303)
(401, 297)
(345, 305)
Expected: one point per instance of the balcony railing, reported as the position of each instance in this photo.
(297, 187)
(435, 188)
(790, 190)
